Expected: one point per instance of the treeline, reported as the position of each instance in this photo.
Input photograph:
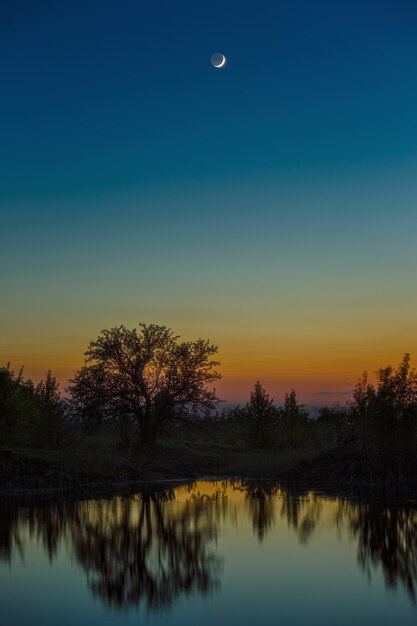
(261, 424)
(32, 414)
(39, 415)
(144, 386)
(380, 419)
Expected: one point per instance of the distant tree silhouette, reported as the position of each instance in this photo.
(261, 415)
(147, 376)
(294, 419)
(333, 424)
(11, 400)
(385, 416)
(31, 413)
(48, 423)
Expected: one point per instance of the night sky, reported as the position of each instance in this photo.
(270, 206)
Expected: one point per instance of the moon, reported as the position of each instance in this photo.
(218, 60)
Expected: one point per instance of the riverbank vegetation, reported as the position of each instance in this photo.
(142, 408)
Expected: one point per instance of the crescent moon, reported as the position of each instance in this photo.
(216, 58)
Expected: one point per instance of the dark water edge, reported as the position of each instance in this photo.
(341, 471)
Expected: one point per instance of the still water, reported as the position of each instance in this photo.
(208, 553)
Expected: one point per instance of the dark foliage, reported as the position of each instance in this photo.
(146, 376)
(143, 385)
(31, 413)
(333, 425)
(261, 416)
(384, 417)
(295, 421)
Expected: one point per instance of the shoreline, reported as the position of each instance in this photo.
(109, 488)
(41, 474)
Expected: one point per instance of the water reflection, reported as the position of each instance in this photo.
(135, 550)
(261, 500)
(387, 536)
(302, 513)
(9, 530)
(153, 547)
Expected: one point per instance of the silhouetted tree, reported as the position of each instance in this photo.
(48, 424)
(261, 415)
(11, 400)
(385, 416)
(333, 424)
(29, 412)
(147, 375)
(294, 419)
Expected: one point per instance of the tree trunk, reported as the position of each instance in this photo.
(147, 436)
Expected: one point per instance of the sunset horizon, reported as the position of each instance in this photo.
(208, 346)
(268, 204)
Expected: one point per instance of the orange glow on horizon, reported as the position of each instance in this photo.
(319, 378)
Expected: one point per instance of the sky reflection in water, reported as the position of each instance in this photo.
(210, 551)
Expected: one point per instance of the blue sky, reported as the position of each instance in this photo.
(269, 205)
(109, 95)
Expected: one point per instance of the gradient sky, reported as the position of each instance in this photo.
(270, 206)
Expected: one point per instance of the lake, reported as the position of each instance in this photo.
(208, 552)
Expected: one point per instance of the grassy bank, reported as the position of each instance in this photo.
(97, 462)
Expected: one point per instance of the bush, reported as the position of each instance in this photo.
(31, 414)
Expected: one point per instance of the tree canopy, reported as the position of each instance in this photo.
(30, 413)
(295, 419)
(146, 375)
(385, 415)
(261, 414)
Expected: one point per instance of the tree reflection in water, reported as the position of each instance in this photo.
(149, 549)
(302, 513)
(387, 536)
(135, 551)
(262, 502)
(10, 538)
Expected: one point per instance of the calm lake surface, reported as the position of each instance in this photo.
(208, 553)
